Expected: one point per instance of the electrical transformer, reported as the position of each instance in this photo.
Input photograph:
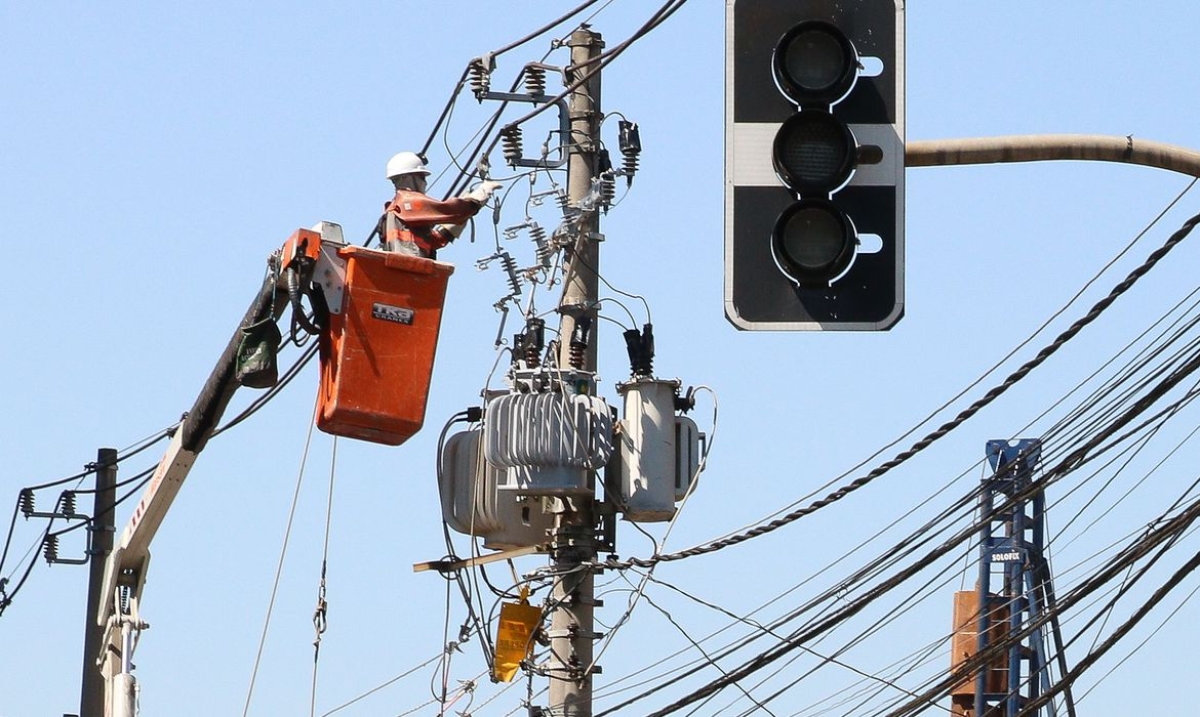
(550, 435)
(658, 452)
(473, 503)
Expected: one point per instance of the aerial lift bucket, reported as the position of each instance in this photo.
(377, 353)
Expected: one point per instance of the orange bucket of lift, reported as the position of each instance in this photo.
(377, 354)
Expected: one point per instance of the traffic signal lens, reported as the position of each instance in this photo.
(813, 242)
(814, 152)
(815, 63)
(814, 60)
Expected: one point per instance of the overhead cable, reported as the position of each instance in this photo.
(994, 393)
(496, 53)
(996, 366)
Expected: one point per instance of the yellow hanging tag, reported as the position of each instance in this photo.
(514, 636)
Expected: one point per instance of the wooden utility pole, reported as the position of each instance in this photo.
(573, 549)
(100, 544)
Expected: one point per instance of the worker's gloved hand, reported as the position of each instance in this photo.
(483, 191)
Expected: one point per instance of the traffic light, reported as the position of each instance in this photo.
(814, 164)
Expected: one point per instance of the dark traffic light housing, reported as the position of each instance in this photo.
(814, 234)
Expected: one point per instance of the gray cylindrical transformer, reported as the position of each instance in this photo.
(647, 462)
(474, 503)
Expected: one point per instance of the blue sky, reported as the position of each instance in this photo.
(155, 154)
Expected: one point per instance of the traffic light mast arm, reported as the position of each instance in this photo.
(1037, 148)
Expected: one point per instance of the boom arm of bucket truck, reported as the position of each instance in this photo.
(303, 265)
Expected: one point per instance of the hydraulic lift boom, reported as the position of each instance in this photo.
(126, 567)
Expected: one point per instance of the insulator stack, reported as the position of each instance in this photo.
(533, 341)
(605, 182)
(510, 269)
(629, 166)
(50, 548)
(26, 501)
(535, 80)
(67, 503)
(510, 136)
(480, 78)
(531, 356)
(579, 342)
(631, 149)
(608, 189)
(577, 355)
(564, 202)
(640, 346)
(543, 250)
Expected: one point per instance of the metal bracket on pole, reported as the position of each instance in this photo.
(564, 127)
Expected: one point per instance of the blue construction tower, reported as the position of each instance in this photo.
(1003, 627)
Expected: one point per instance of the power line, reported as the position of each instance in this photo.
(1047, 351)
(996, 366)
(1101, 442)
(437, 125)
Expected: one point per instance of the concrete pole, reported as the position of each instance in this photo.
(572, 622)
(580, 283)
(100, 544)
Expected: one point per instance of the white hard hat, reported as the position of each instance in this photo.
(405, 163)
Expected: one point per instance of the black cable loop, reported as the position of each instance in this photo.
(299, 278)
(6, 597)
(284, 380)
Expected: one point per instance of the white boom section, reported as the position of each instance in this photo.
(126, 569)
(127, 564)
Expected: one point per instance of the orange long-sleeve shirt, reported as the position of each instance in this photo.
(413, 216)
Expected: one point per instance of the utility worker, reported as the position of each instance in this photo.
(418, 225)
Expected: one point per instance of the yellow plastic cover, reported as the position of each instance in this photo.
(514, 638)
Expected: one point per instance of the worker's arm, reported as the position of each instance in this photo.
(435, 223)
(418, 210)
